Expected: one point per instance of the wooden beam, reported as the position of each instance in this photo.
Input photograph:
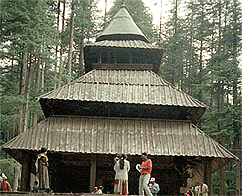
(25, 175)
(17, 176)
(208, 174)
(129, 66)
(93, 172)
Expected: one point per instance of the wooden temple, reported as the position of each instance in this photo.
(121, 105)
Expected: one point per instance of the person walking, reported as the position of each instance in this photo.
(203, 189)
(154, 187)
(42, 170)
(121, 167)
(145, 171)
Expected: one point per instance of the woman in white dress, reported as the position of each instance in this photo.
(121, 167)
(203, 189)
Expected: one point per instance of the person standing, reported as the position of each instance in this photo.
(42, 170)
(154, 187)
(145, 171)
(203, 189)
(121, 167)
(2, 175)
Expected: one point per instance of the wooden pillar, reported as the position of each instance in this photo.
(17, 177)
(25, 175)
(208, 174)
(93, 172)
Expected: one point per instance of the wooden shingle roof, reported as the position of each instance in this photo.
(123, 86)
(137, 44)
(101, 135)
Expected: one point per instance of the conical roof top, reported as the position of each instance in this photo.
(122, 27)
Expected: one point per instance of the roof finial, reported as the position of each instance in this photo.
(123, 4)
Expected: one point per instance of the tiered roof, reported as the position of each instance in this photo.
(89, 114)
(122, 87)
(99, 135)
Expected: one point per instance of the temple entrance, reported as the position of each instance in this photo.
(75, 179)
(169, 181)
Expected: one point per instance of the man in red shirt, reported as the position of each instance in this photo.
(145, 170)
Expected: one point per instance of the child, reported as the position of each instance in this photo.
(36, 187)
(100, 190)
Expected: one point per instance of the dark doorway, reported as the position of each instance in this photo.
(75, 179)
(169, 181)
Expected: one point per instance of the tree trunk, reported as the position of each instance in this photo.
(22, 90)
(56, 48)
(237, 134)
(26, 113)
(237, 175)
(35, 73)
(236, 47)
(176, 10)
(43, 77)
(81, 57)
(105, 13)
(61, 48)
(201, 56)
(81, 54)
(71, 40)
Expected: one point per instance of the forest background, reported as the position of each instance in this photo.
(42, 49)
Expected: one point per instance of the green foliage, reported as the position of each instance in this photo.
(214, 31)
(201, 57)
(26, 24)
(85, 28)
(7, 166)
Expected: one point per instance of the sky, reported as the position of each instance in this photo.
(154, 5)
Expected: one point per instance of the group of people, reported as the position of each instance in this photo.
(4, 184)
(147, 184)
(41, 171)
(122, 167)
(200, 190)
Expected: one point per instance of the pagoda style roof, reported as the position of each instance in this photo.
(98, 135)
(122, 42)
(122, 27)
(122, 87)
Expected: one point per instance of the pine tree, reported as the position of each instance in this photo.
(28, 31)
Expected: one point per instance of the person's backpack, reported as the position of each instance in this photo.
(1, 174)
